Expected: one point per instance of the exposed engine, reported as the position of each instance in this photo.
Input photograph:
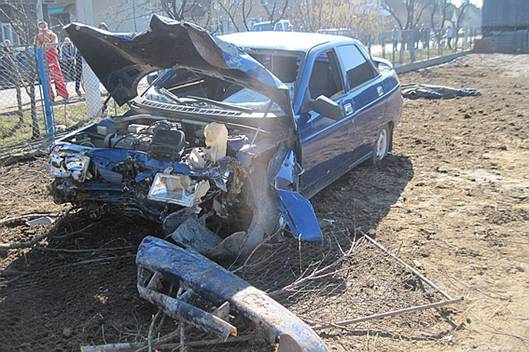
(157, 167)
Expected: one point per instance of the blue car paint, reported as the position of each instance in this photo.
(331, 148)
(111, 188)
(120, 60)
(299, 215)
(295, 209)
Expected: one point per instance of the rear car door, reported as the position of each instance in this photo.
(364, 99)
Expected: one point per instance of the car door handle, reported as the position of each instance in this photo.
(380, 91)
(348, 109)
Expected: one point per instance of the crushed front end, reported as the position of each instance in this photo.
(170, 171)
(210, 151)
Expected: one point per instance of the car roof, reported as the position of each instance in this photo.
(291, 41)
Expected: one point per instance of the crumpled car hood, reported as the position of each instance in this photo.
(120, 60)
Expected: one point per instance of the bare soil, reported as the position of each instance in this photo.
(452, 199)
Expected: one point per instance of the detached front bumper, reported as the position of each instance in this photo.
(203, 277)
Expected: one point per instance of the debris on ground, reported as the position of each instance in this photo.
(429, 91)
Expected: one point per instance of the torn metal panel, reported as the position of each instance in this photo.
(64, 164)
(212, 281)
(121, 60)
(193, 233)
(299, 215)
(287, 174)
(295, 209)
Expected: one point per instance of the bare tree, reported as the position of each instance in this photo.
(238, 12)
(181, 10)
(231, 8)
(275, 9)
(459, 16)
(439, 12)
(246, 10)
(22, 17)
(304, 14)
(406, 13)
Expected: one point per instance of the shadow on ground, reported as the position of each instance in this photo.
(63, 295)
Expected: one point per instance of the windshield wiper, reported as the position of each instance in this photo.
(170, 95)
(221, 104)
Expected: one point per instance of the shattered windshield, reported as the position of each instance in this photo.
(184, 87)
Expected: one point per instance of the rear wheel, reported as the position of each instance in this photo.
(382, 144)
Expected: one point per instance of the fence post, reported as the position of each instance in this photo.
(44, 83)
(383, 42)
(369, 44)
(428, 39)
(413, 43)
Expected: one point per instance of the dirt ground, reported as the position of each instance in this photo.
(452, 199)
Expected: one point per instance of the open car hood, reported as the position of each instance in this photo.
(120, 60)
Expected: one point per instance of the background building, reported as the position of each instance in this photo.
(506, 23)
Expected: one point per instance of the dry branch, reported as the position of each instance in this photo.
(409, 267)
(25, 217)
(317, 273)
(43, 236)
(162, 343)
(343, 323)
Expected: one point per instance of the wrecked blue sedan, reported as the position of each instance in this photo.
(224, 148)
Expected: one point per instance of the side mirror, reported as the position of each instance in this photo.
(327, 107)
(382, 64)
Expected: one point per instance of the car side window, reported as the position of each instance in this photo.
(325, 78)
(357, 69)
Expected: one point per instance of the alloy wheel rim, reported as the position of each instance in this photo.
(382, 143)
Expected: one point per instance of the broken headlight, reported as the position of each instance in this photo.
(177, 189)
(64, 164)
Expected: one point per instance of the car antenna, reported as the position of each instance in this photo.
(268, 108)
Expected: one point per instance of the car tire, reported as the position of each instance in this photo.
(382, 144)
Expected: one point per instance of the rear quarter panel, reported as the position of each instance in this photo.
(393, 97)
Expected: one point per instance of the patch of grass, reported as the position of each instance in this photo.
(70, 115)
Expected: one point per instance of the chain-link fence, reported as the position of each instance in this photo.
(43, 93)
(20, 97)
(408, 46)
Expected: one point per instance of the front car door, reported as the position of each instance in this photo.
(365, 93)
(326, 145)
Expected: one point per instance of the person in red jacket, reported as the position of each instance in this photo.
(48, 40)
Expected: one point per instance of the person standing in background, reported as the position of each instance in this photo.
(449, 36)
(48, 40)
(395, 37)
(67, 59)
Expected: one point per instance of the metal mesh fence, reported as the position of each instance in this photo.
(43, 94)
(407, 46)
(20, 97)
